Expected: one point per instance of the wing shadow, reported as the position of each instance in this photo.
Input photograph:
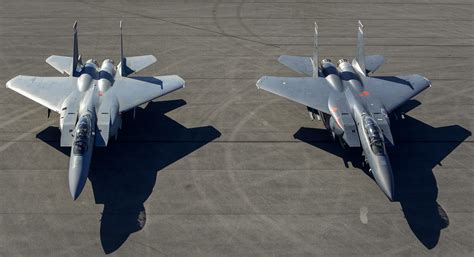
(124, 173)
(419, 148)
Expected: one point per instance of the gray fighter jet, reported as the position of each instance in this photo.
(352, 105)
(90, 101)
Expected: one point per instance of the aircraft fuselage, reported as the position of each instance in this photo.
(365, 112)
(86, 102)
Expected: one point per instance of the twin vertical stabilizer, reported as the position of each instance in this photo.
(360, 53)
(67, 64)
(129, 65)
(365, 64)
(75, 55)
(122, 58)
(315, 59)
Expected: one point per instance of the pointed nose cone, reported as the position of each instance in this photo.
(77, 176)
(384, 178)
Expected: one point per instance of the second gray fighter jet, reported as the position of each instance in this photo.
(90, 101)
(352, 105)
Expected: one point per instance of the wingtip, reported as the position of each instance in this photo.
(74, 194)
(281, 57)
(181, 81)
(259, 82)
(9, 83)
(48, 60)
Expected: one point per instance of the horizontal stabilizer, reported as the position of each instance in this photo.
(312, 92)
(299, 64)
(136, 63)
(62, 64)
(373, 62)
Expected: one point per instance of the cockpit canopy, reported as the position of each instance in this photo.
(82, 135)
(374, 135)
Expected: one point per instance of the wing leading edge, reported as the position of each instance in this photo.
(312, 92)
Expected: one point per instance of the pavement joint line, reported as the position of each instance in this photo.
(232, 142)
(355, 213)
(12, 120)
(138, 16)
(219, 36)
(17, 139)
(239, 142)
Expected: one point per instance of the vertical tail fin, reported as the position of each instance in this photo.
(132, 64)
(75, 54)
(315, 60)
(122, 57)
(360, 53)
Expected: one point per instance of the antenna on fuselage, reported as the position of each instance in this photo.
(360, 52)
(315, 59)
(75, 55)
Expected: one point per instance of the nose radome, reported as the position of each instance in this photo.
(384, 178)
(77, 177)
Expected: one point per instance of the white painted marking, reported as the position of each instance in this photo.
(363, 215)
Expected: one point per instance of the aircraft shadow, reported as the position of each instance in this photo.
(124, 173)
(419, 148)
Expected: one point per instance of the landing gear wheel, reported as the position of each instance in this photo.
(342, 142)
(364, 162)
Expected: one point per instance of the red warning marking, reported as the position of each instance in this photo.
(333, 109)
(100, 93)
(365, 93)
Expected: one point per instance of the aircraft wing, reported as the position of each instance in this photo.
(134, 91)
(395, 91)
(47, 91)
(299, 64)
(312, 92)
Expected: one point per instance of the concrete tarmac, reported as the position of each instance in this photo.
(221, 168)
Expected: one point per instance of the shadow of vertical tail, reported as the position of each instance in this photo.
(419, 148)
(124, 173)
